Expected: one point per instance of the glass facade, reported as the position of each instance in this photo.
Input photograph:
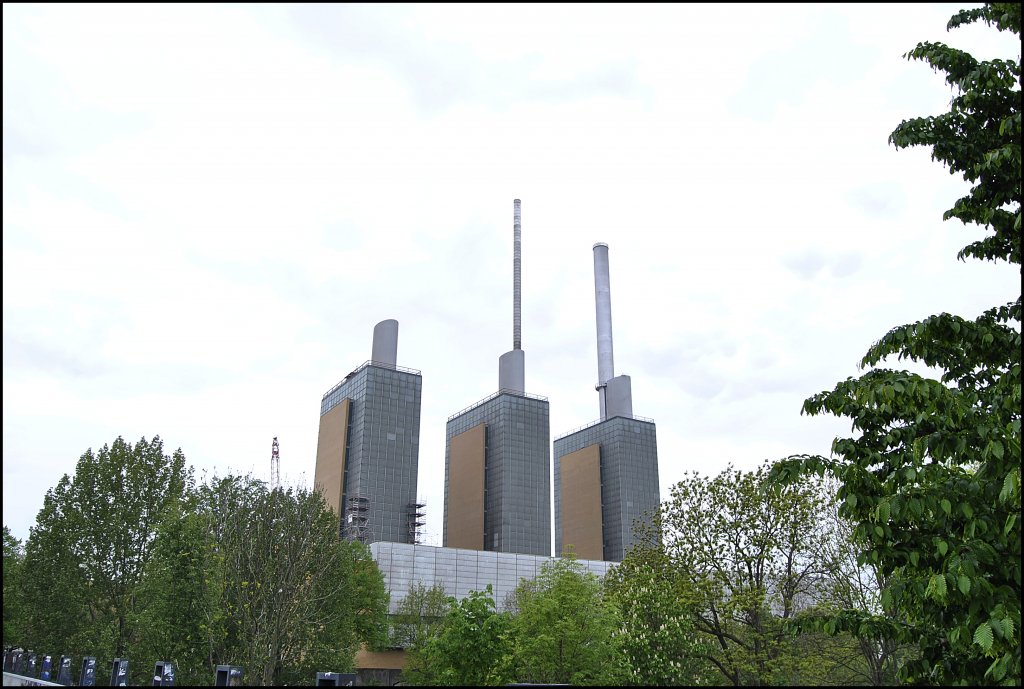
(382, 454)
(517, 471)
(629, 478)
(460, 571)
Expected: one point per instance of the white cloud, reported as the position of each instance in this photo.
(207, 209)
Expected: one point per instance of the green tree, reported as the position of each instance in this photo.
(13, 556)
(296, 598)
(932, 478)
(181, 617)
(658, 609)
(417, 619)
(747, 557)
(851, 584)
(93, 537)
(564, 629)
(468, 646)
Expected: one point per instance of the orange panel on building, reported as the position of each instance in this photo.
(329, 475)
(582, 527)
(465, 527)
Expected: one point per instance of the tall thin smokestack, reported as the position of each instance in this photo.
(516, 279)
(603, 297)
(615, 393)
(512, 364)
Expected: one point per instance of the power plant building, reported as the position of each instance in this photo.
(497, 485)
(367, 452)
(606, 473)
(606, 477)
(498, 458)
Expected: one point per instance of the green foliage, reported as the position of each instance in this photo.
(417, 619)
(658, 608)
(747, 556)
(980, 136)
(13, 557)
(129, 559)
(467, 646)
(849, 583)
(180, 617)
(932, 479)
(86, 555)
(294, 597)
(564, 631)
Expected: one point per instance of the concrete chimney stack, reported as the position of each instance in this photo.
(614, 392)
(517, 339)
(512, 365)
(385, 343)
(603, 300)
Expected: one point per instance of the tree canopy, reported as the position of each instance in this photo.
(13, 556)
(85, 557)
(128, 558)
(931, 479)
(467, 646)
(564, 630)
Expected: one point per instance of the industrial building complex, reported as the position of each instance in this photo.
(498, 477)
(497, 490)
(367, 453)
(606, 473)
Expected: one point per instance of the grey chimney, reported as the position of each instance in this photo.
(615, 394)
(512, 365)
(385, 343)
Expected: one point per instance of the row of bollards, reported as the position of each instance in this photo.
(30, 664)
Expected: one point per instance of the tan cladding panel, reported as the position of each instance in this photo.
(330, 454)
(581, 503)
(380, 660)
(465, 525)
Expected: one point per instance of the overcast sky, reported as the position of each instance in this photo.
(206, 209)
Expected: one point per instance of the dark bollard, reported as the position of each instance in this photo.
(163, 674)
(87, 677)
(46, 668)
(12, 659)
(228, 676)
(119, 673)
(335, 679)
(64, 671)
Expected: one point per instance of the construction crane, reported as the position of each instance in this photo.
(275, 465)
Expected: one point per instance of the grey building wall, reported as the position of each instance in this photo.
(460, 571)
(382, 456)
(517, 471)
(629, 477)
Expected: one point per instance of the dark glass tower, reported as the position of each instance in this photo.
(497, 485)
(497, 456)
(368, 446)
(606, 478)
(606, 473)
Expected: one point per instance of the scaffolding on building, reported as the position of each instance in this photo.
(357, 519)
(417, 520)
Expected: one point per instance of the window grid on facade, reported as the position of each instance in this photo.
(517, 461)
(382, 453)
(629, 478)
